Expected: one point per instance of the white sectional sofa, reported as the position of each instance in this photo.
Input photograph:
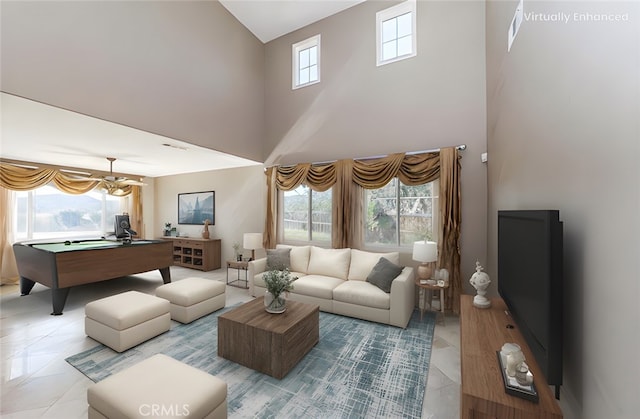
(336, 280)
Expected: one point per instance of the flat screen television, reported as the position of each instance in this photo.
(530, 275)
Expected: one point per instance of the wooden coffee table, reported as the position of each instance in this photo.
(269, 343)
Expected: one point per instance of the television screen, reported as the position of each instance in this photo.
(530, 282)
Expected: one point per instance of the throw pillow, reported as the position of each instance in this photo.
(278, 259)
(383, 274)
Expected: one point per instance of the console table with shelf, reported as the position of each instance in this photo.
(482, 393)
(195, 253)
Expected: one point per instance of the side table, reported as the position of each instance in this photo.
(426, 297)
(238, 266)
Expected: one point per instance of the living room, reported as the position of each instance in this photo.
(557, 115)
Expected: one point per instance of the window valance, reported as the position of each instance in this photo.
(21, 178)
(412, 169)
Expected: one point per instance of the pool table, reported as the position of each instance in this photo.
(64, 264)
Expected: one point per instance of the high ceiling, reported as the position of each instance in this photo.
(270, 19)
(36, 132)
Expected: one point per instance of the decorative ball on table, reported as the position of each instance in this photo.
(278, 283)
(480, 282)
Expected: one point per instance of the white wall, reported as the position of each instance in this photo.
(240, 204)
(563, 133)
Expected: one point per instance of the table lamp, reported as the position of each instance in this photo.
(252, 241)
(427, 253)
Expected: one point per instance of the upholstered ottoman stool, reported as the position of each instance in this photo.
(192, 298)
(126, 320)
(159, 386)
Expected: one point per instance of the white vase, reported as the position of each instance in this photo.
(273, 304)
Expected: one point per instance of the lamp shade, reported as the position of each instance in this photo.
(252, 241)
(424, 251)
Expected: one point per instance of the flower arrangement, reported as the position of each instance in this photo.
(277, 283)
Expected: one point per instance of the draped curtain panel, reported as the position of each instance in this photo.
(270, 238)
(135, 211)
(450, 220)
(8, 268)
(20, 178)
(349, 178)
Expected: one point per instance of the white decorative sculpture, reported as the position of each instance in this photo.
(480, 282)
(512, 356)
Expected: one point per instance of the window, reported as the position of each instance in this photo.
(47, 212)
(306, 215)
(396, 33)
(306, 62)
(397, 214)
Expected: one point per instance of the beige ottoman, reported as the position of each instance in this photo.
(125, 320)
(157, 387)
(192, 298)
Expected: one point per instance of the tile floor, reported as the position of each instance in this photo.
(38, 383)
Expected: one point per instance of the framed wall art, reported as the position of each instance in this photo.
(196, 207)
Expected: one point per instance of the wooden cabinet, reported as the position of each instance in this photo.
(482, 395)
(202, 254)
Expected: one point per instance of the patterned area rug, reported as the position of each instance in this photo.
(359, 369)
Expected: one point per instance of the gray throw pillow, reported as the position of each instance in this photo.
(383, 274)
(278, 259)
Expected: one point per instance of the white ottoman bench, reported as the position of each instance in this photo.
(125, 320)
(157, 387)
(192, 298)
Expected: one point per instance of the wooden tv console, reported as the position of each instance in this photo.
(482, 394)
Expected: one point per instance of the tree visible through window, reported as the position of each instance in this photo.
(397, 214)
(307, 215)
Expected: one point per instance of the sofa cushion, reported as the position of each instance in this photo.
(363, 294)
(329, 262)
(362, 263)
(298, 258)
(316, 286)
(383, 274)
(278, 259)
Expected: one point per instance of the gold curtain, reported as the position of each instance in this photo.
(350, 177)
(8, 267)
(450, 220)
(270, 238)
(18, 178)
(318, 177)
(343, 200)
(135, 210)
